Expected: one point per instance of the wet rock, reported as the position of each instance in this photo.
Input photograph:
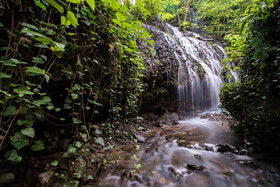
(46, 134)
(226, 148)
(194, 167)
(157, 124)
(169, 118)
(46, 178)
(182, 142)
(6, 178)
(64, 143)
(140, 138)
(30, 177)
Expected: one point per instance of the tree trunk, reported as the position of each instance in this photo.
(178, 17)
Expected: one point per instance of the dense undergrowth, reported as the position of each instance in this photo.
(66, 64)
(254, 101)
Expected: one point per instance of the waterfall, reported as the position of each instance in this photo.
(198, 66)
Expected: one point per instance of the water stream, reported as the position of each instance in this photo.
(196, 152)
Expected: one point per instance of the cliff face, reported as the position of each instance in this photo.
(182, 72)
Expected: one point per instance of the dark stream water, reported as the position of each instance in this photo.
(196, 152)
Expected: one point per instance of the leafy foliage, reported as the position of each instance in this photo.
(254, 102)
(68, 71)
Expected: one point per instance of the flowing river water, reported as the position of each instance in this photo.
(196, 152)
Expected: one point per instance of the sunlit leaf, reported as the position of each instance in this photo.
(56, 5)
(74, 1)
(41, 5)
(91, 3)
(71, 17)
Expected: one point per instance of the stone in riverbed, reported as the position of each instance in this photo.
(46, 178)
(6, 178)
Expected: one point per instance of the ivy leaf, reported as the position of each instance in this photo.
(55, 5)
(13, 156)
(91, 3)
(38, 60)
(35, 70)
(42, 101)
(19, 140)
(4, 75)
(64, 21)
(30, 132)
(54, 163)
(10, 110)
(71, 17)
(97, 131)
(22, 91)
(100, 140)
(77, 121)
(39, 145)
(12, 62)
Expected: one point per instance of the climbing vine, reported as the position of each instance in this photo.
(66, 63)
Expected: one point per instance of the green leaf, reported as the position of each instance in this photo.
(77, 121)
(39, 145)
(120, 17)
(54, 163)
(100, 140)
(44, 40)
(40, 45)
(19, 140)
(4, 75)
(91, 3)
(78, 144)
(57, 6)
(38, 60)
(30, 132)
(32, 33)
(10, 110)
(71, 149)
(97, 131)
(60, 46)
(13, 156)
(41, 5)
(64, 21)
(22, 91)
(42, 101)
(29, 26)
(74, 96)
(71, 17)
(1, 24)
(35, 70)
(74, 1)
(12, 62)
(94, 102)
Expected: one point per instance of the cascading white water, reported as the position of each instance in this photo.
(198, 67)
(202, 62)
